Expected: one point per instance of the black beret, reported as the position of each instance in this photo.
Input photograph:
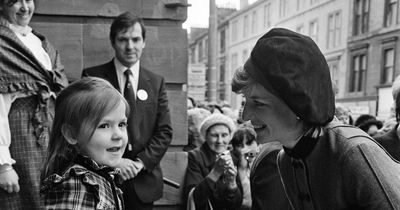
(292, 67)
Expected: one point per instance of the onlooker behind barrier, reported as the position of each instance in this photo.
(244, 150)
(368, 124)
(391, 140)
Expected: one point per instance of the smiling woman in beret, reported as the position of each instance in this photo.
(324, 164)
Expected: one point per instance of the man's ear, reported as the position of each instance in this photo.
(69, 134)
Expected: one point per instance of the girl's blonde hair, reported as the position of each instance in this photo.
(81, 106)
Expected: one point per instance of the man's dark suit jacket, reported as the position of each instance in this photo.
(154, 130)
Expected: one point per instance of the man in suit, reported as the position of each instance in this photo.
(149, 123)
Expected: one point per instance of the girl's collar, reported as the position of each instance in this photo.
(92, 165)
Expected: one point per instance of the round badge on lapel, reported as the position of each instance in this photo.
(142, 95)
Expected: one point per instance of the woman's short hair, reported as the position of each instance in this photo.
(241, 81)
(123, 22)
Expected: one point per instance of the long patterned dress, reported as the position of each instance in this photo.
(30, 117)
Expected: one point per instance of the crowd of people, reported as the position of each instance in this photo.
(97, 143)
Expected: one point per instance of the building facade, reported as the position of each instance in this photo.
(373, 59)
(197, 67)
(325, 21)
(198, 59)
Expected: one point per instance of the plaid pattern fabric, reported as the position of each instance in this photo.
(79, 188)
(19, 68)
(28, 154)
(29, 117)
(20, 71)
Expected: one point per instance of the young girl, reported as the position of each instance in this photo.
(87, 141)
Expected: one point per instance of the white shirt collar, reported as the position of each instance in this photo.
(121, 68)
(20, 29)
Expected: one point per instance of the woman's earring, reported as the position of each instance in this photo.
(298, 118)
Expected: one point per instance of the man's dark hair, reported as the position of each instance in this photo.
(125, 21)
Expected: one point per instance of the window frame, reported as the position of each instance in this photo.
(394, 17)
(334, 73)
(361, 17)
(245, 25)
(222, 41)
(358, 86)
(254, 22)
(334, 31)
(388, 43)
(283, 8)
(234, 31)
(300, 28)
(384, 74)
(311, 30)
(267, 15)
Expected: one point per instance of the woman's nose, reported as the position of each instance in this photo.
(24, 6)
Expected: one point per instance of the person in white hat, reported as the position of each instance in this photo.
(211, 177)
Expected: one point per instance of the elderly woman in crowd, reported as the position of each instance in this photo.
(211, 176)
(324, 164)
(30, 76)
